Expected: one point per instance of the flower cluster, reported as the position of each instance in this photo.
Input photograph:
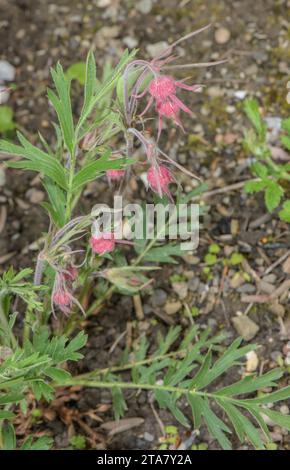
(162, 88)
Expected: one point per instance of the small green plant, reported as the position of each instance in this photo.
(272, 178)
(78, 442)
(7, 123)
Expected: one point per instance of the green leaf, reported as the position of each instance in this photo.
(42, 443)
(59, 375)
(94, 169)
(243, 426)
(286, 125)
(90, 81)
(284, 214)
(104, 89)
(6, 414)
(167, 342)
(62, 105)
(210, 259)
(196, 407)
(42, 389)
(77, 72)
(286, 141)
(251, 384)
(8, 437)
(282, 394)
(214, 248)
(216, 427)
(163, 254)
(128, 279)
(236, 258)
(273, 195)
(203, 371)
(278, 418)
(119, 404)
(255, 186)
(6, 119)
(260, 170)
(11, 398)
(227, 360)
(58, 202)
(78, 342)
(166, 400)
(251, 108)
(34, 159)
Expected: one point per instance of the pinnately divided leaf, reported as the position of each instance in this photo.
(34, 159)
(176, 376)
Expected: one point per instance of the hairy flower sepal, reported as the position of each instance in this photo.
(129, 279)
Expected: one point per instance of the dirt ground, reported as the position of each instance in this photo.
(34, 34)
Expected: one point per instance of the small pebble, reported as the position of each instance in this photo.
(4, 94)
(155, 49)
(246, 289)
(181, 289)
(2, 176)
(7, 71)
(284, 410)
(245, 327)
(35, 196)
(252, 361)
(159, 297)
(271, 278)
(240, 94)
(130, 42)
(193, 284)
(144, 6)
(222, 35)
(172, 307)
(148, 437)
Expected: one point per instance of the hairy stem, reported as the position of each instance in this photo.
(146, 386)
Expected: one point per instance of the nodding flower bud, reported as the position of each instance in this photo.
(162, 87)
(115, 175)
(70, 273)
(62, 295)
(103, 243)
(62, 298)
(159, 178)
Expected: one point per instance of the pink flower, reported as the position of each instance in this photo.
(159, 177)
(161, 87)
(62, 295)
(115, 175)
(170, 109)
(103, 243)
(62, 298)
